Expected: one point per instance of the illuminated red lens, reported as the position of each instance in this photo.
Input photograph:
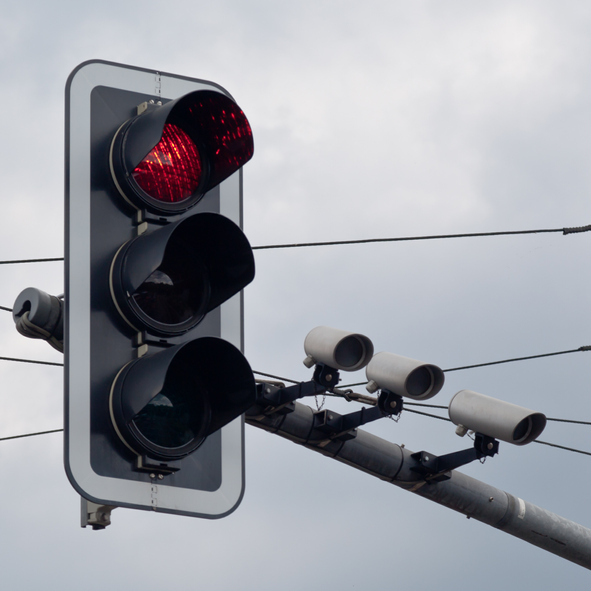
(229, 134)
(172, 170)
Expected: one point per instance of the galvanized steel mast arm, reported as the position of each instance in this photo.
(464, 494)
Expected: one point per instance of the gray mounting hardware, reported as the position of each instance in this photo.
(38, 315)
(98, 516)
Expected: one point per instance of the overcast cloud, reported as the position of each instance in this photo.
(374, 119)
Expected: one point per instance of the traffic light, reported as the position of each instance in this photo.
(155, 380)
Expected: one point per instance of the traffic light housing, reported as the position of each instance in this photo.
(155, 380)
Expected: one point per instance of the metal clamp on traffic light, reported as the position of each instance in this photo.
(38, 315)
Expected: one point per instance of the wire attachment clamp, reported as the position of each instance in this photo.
(38, 315)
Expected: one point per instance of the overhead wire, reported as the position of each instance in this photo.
(555, 445)
(47, 260)
(563, 447)
(348, 397)
(488, 363)
(32, 361)
(31, 434)
(564, 231)
(444, 407)
(583, 348)
(578, 451)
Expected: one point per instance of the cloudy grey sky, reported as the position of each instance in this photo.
(374, 119)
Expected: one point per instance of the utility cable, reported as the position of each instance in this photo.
(569, 421)
(352, 396)
(424, 405)
(51, 260)
(268, 375)
(425, 414)
(572, 449)
(578, 451)
(564, 231)
(31, 361)
(30, 434)
(345, 395)
(342, 392)
(584, 348)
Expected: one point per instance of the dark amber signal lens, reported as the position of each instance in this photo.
(172, 171)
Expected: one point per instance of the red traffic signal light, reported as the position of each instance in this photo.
(153, 324)
(168, 156)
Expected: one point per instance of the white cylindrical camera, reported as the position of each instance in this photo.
(338, 349)
(496, 418)
(404, 376)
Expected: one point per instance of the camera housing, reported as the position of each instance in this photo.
(404, 376)
(338, 349)
(496, 418)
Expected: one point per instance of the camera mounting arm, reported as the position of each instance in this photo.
(435, 468)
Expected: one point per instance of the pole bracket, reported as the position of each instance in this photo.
(436, 468)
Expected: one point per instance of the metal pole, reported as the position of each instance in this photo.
(475, 499)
